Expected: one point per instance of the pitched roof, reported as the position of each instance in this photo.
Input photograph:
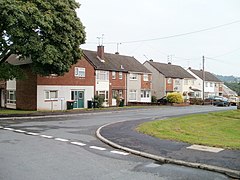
(115, 62)
(171, 71)
(208, 76)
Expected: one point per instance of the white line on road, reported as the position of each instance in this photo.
(60, 139)
(46, 136)
(19, 131)
(119, 152)
(205, 148)
(98, 148)
(31, 133)
(78, 143)
(9, 129)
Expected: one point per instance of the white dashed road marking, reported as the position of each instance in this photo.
(98, 148)
(19, 131)
(205, 148)
(119, 152)
(31, 133)
(61, 139)
(46, 136)
(78, 143)
(9, 129)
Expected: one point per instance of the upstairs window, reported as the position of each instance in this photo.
(103, 75)
(185, 81)
(169, 81)
(177, 82)
(145, 77)
(113, 75)
(79, 72)
(133, 76)
(120, 75)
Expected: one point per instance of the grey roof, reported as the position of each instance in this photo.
(115, 62)
(171, 71)
(208, 76)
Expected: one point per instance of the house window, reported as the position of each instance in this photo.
(117, 93)
(103, 75)
(113, 75)
(169, 81)
(177, 82)
(133, 95)
(206, 84)
(11, 97)
(145, 94)
(211, 84)
(51, 94)
(145, 77)
(185, 81)
(79, 72)
(120, 75)
(103, 94)
(133, 76)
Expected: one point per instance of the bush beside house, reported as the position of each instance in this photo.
(175, 98)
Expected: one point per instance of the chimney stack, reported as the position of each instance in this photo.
(100, 51)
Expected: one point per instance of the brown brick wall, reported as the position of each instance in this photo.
(2, 84)
(169, 87)
(69, 78)
(26, 91)
(117, 84)
(146, 84)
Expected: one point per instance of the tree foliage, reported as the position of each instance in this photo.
(49, 32)
(234, 86)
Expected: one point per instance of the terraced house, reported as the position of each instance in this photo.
(112, 76)
(171, 78)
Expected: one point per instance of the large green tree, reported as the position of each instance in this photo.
(46, 31)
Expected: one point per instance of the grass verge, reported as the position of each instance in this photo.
(218, 129)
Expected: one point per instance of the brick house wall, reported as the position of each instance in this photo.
(26, 91)
(146, 84)
(117, 84)
(169, 86)
(69, 77)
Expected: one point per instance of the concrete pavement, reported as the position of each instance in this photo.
(122, 135)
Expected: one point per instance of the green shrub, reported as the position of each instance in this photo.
(154, 99)
(174, 97)
(99, 100)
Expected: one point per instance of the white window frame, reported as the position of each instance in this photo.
(145, 94)
(133, 95)
(145, 77)
(113, 75)
(211, 84)
(105, 94)
(169, 80)
(79, 72)
(120, 74)
(177, 81)
(185, 81)
(50, 94)
(103, 75)
(133, 76)
(206, 84)
(11, 96)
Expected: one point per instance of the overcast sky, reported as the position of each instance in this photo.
(124, 21)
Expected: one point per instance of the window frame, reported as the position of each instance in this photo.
(10, 94)
(80, 72)
(49, 92)
(120, 75)
(133, 93)
(133, 76)
(103, 75)
(114, 74)
(145, 77)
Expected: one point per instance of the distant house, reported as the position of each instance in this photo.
(227, 92)
(97, 73)
(170, 78)
(212, 85)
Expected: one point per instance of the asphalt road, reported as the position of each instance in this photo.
(66, 148)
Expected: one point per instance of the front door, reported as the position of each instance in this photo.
(78, 98)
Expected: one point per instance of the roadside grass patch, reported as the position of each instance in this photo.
(10, 111)
(218, 129)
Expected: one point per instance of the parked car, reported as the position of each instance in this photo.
(220, 101)
(233, 101)
(162, 100)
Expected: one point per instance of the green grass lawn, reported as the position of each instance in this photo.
(218, 129)
(10, 111)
